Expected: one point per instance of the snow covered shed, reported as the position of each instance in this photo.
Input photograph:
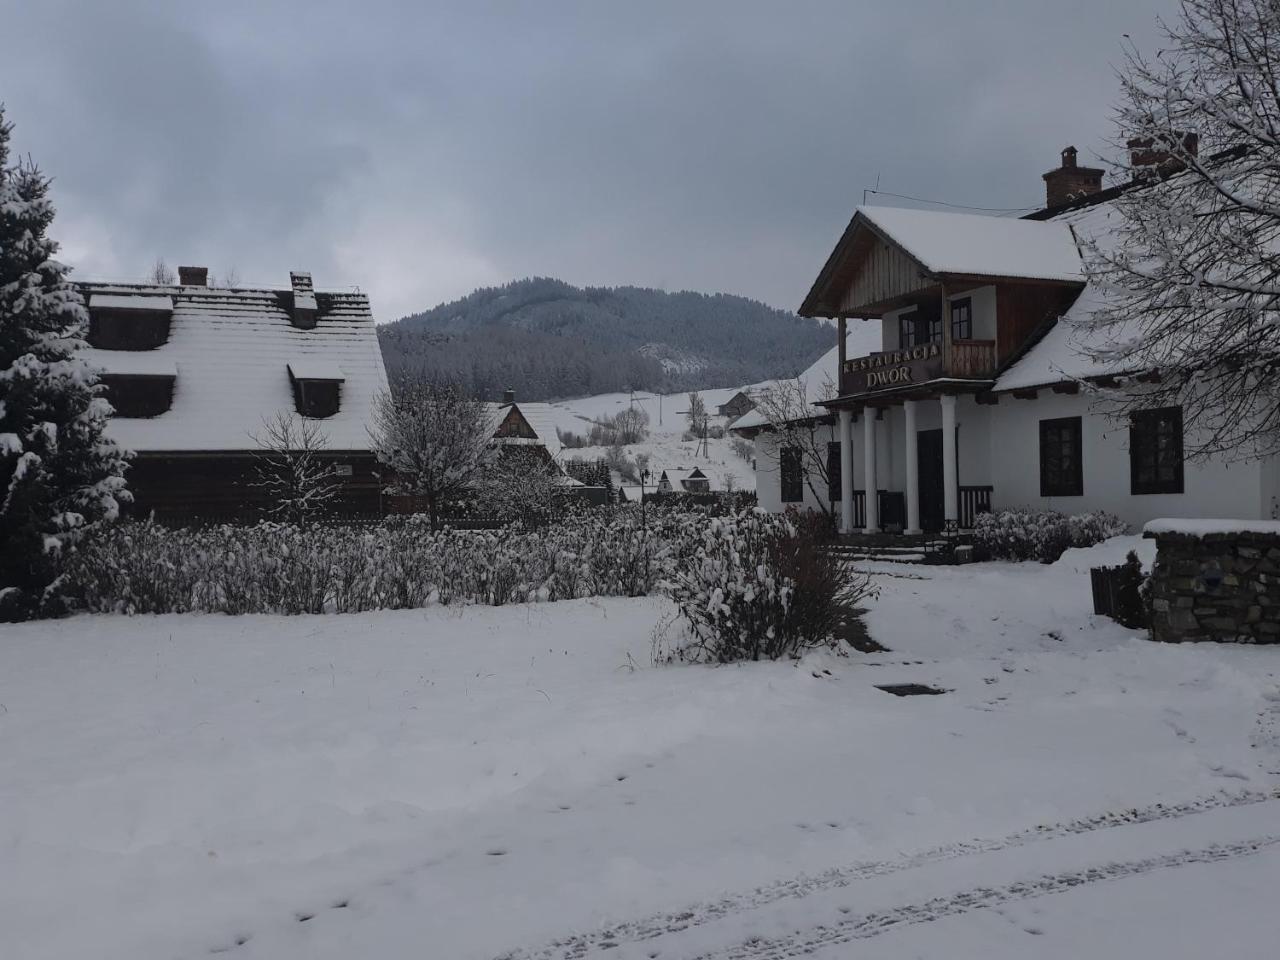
(194, 372)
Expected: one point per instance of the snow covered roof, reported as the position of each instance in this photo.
(540, 417)
(135, 301)
(231, 350)
(1062, 353)
(313, 368)
(966, 243)
(137, 363)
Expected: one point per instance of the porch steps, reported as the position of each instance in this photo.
(891, 548)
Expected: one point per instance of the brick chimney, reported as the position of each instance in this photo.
(1147, 156)
(193, 276)
(508, 395)
(303, 314)
(1070, 182)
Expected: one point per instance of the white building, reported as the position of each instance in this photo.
(972, 400)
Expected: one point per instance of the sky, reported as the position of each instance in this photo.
(418, 150)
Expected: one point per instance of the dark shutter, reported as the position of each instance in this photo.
(1061, 467)
(1155, 451)
(792, 475)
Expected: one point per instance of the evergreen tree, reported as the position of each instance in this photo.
(58, 475)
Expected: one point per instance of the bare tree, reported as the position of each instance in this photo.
(796, 424)
(436, 439)
(161, 274)
(1189, 279)
(291, 468)
(230, 277)
(632, 425)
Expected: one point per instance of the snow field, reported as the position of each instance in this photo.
(478, 782)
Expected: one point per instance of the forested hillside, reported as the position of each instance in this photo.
(548, 339)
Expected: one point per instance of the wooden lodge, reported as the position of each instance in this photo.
(193, 372)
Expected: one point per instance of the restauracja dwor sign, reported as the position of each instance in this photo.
(893, 369)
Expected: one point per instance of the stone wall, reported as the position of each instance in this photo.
(1216, 586)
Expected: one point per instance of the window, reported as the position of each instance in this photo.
(792, 475)
(316, 398)
(918, 328)
(1155, 451)
(1061, 473)
(962, 319)
(138, 396)
(833, 472)
(127, 329)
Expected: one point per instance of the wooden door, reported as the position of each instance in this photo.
(932, 506)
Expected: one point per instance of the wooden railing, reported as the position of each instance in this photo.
(973, 501)
(971, 358)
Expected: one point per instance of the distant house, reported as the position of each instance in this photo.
(194, 371)
(684, 481)
(525, 426)
(740, 403)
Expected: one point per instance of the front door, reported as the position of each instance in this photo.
(932, 507)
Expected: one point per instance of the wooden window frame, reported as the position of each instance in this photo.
(1057, 480)
(1145, 427)
(791, 474)
(965, 322)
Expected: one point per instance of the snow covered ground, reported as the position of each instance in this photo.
(521, 782)
(721, 465)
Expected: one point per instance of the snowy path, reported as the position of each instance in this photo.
(676, 933)
(855, 903)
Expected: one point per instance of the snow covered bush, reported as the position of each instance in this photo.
(58, 475)
(762, 586)
(1041, 534)
(397, 564)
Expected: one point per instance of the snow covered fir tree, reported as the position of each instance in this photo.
(59, 476)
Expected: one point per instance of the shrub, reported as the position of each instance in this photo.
(761, 586)
(399, 563)
(1041, 535)
(743, 448)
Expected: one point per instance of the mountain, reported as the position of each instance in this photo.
(547, 340)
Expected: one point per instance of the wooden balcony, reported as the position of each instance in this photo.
(901, 369)
(971, 359)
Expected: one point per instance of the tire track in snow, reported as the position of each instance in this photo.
(633, 931)
(805, 942)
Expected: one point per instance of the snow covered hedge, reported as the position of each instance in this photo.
(763, 586)
(1041, 534)
(400, 563)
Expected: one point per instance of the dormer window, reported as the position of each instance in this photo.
(129, 321)
(138, 395)
(317, 388)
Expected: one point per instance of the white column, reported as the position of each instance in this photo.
(869, 470)
(913, 469)
(950, 472)
(846, 471)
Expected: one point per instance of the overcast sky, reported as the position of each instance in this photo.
(419, 150)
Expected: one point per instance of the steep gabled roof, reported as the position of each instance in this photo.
(945, 245)
(230, 351)
(539, 417)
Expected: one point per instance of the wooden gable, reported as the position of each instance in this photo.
(514, 425)
(865, 275)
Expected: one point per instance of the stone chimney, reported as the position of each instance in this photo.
(508, 395)
(304, 311)
(193, 276)
(1148, 156)
(1070, 182)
